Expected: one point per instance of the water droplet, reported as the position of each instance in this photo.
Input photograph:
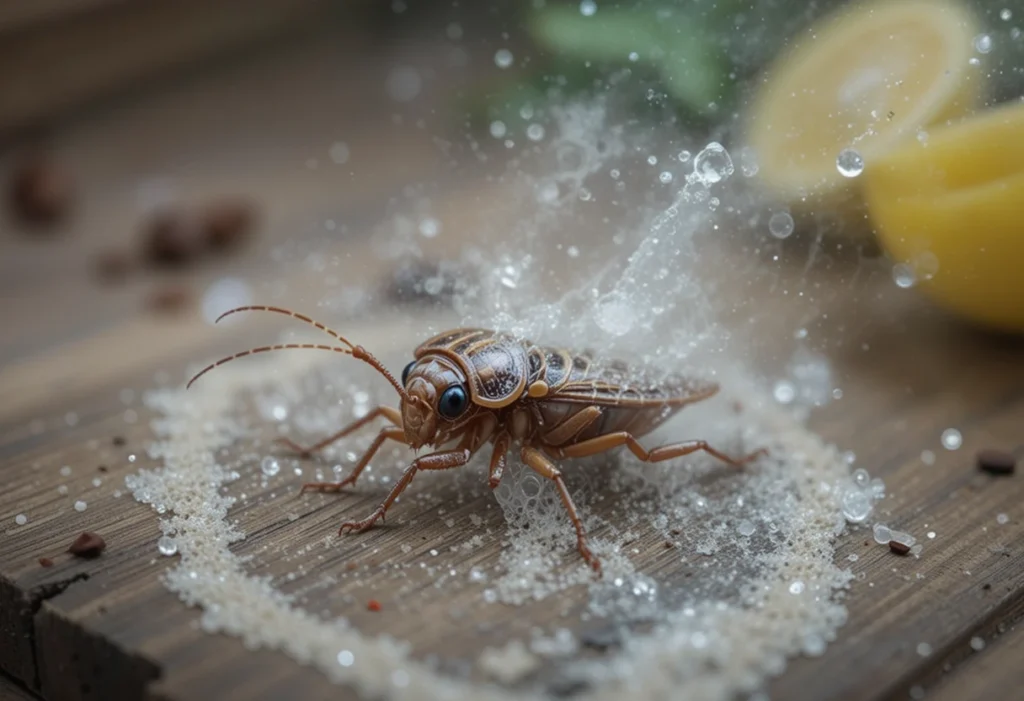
(665, 177)
(748, 162)
(796, 587)
(784, 392)
(983, 43)
(21, 519)
(974, 61)
(713, 164)
(167, 546)
(572, 252)
(270, 466)
(503, 58)
(781, 225)
(1002, 519)
(924, 649)
(856, 505)
(746, 528)
(339, 152)
(652, 160)
(977, 644)
(927, 457)
(634, 56)
(683, 156)
(404, 84)
(1006, 14)
(588, 8)
(498, 129)
(430, 227)
(903, 276)
(849, 163)
(882, 533)
(951, 439)
(346, 658)
(535, 132)
(861, 478)
(454, 31)
(80, 505)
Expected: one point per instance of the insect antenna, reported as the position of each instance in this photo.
(357, 352)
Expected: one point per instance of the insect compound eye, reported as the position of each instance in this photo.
(453, 402)
(405, 373)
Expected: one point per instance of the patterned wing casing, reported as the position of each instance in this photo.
(615, 383)
(496, 365)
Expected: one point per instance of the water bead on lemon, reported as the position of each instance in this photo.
(950, 211)
(853, 86)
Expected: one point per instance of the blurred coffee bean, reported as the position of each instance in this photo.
(41, 192)
(227, 223)
(423, 282)
(172, 237)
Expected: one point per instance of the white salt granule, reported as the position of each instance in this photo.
(508, 664)
(724, 611)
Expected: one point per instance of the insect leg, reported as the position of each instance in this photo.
(571, 427)
(395, 434)
(545, 468)
(435, 461)
(392, 415)
(498, 457)
(666, 452)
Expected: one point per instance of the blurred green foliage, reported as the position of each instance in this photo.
(692, 58)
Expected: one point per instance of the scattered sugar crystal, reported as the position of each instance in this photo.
(882, 533)
(508, 664)
(856, 505)
(270, 466)
(904, 538)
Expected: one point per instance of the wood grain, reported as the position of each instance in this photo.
(107, 628)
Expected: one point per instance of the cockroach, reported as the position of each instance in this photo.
(468, 387)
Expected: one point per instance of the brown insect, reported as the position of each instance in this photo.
(468, 387)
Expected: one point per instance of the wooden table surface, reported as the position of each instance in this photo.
(108, 628)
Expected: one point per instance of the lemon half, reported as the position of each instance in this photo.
(950, 210)
(864, 80)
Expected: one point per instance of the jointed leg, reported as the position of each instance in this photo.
(498, 458)
(392, 415)
(665, 452)
(435, 461)
(395, 434)
(545, 468)
(571, 427)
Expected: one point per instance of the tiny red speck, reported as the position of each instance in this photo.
(373, 605)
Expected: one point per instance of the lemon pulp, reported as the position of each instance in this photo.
(863, 79)
(951, 210)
